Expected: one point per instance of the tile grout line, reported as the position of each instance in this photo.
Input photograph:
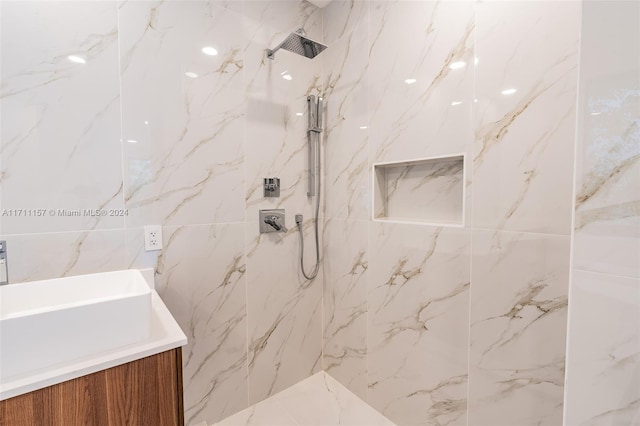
(576, 141)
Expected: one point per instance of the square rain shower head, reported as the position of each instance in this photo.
(299, 43)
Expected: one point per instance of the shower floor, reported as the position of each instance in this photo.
(317, 400)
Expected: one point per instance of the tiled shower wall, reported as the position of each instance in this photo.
(129, 130)
(603, 351)
(431, 325)
(452, 325)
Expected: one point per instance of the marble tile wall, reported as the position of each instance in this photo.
(396, 295)
(522, 184)
(522, 171)
(209, 303)
(429, 324)
(603, 351)
(186, 166)
(345, 303)
(452, 314)
(125, 127)
(518, 318)
(47, 98)
(603, 377)
(418, 308)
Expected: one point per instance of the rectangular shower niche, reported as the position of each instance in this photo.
(428, 191)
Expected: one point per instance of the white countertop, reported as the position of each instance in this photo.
(165, 335)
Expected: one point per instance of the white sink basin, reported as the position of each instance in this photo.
(50, 322)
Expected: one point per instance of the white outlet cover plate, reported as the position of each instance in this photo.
(152, 237)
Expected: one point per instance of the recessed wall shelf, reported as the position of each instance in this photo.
(429, 190)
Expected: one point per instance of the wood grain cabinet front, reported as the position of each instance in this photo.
(146, 392)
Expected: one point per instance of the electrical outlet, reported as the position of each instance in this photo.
(152, 237)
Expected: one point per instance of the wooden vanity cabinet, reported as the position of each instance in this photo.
(146, 392)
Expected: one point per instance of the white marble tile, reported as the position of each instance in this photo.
(340, 18)
(269, 21)
(60, 119)
(60, 254)
(421, 79)
(201, 278)
(345, 303)
(603, 378)
(264, 413)
(518, 327)
(522, 174)
(321, 400)
(284, 311)
(609, 245)
(235, 5)
(317, 400)
(603, 373)
(347, 171)
(418, 295)
(607, 218)
(183, 145)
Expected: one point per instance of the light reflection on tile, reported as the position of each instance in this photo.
(607, 222)
(420, 40)
(187, 169)
(60, 119)
(522, 168)
(603, 378)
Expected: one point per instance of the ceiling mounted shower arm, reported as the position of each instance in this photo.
(271, 53)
